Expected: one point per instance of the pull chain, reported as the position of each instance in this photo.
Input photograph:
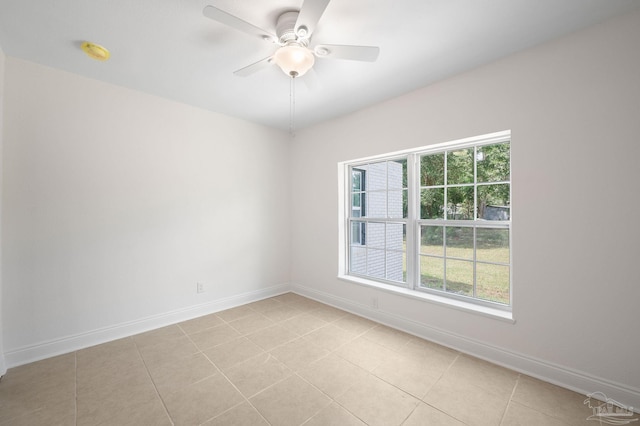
(292, 105)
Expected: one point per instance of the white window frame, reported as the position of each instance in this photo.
(412, 287)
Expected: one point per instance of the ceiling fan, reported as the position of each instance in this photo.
(293, 32)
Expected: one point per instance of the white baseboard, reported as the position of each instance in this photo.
(72, 343)
(574, 380)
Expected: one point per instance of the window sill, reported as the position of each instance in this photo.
(433, 298)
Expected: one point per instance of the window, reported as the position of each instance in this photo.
(434, 220)
(378, 220)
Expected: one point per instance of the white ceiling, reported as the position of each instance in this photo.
(168, 48)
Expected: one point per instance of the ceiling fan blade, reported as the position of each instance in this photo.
(309, 15)
(237, 23)
(253, 68)
(354, 53)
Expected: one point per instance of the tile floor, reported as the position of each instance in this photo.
(286, 360)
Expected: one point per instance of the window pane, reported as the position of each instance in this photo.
(493, 202)
(397, 174)
(492, 245)
(432, 203)
(396, 266)
(460, 277)
(492, 163)
(377, 176)
(432, 272)
(460, 203)
(431, 240)
(396, 206)
(405, 203)
(460, 166)
(492, 282)
(377, 206)
(356, 180)
(459, 242)
(358, 233)
(375, 234)
(375, 263)
(356, 200)
(396, 236)
(358, 260)
(432, 170)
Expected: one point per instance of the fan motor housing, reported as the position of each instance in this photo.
(285, 29)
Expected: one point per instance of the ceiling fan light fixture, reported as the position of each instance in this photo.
(294, 60)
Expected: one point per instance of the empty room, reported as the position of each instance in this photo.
(319, 212)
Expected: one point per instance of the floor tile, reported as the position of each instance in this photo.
(272, 336)
(113, 354)
(354, 323)
(279, 361)
(298, 353)
(290, 298)
(377, 402)
(365, 353)
(328, 313)
(265, 304)
(334, 415)
(251, 323)
(412, 376)
(61, 412)
(426, 415)
(333, 375)
(387, 337)
(303, 324)
(214, 336)
(160, 335)
(240, 415)
(520, 415)
(99, 404)
(168, 351)
(235, 313)
(35, 386)
(552, 400)
(109, 378)
(282, 313)
(468, 403)
(257, 373)
(202, 401)
(231, 353)
(200, 323)
(440, 358)
(330, 337)
(174, 376)
(151, 413)
(483, 374)
(290, 402)
(306, 304)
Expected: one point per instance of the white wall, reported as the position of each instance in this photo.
(573, 106)
(116, 203)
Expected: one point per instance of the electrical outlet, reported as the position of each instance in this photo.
(199, 287)
(374, 302)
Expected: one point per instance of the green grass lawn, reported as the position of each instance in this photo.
(492, 281)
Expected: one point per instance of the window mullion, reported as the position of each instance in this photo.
(413, 188)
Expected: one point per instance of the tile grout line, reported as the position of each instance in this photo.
(75, 389)
(164, 406)
(513, 392)
(237, 390)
